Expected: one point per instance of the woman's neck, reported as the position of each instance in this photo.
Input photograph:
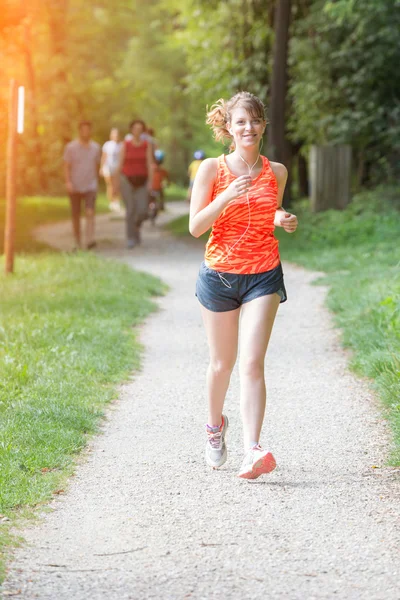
(248, 155)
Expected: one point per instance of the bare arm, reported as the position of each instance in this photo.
(203, 212)
(67, 177)
(282, 217)
(99, 157)
(150, 163)
(121, 158)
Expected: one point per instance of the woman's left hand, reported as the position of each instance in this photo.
(289, 222)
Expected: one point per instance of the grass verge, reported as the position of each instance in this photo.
(358, 249)
(33, 211)
(66, 340)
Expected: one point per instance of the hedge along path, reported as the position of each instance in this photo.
(144, 518)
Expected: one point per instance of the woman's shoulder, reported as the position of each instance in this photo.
(209, 166)
(279, 170)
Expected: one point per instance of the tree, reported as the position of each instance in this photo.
(278, 144)
(345, 88)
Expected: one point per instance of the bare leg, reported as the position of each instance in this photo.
(76, 218)
(222, 333)
(89, 226)
(109, 188)
(115, 186)
(256, 324)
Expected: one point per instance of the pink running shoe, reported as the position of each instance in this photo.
(257, 462)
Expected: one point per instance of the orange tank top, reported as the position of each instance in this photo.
(242, 239)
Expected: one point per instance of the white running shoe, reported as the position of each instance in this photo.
(257, 462)
(216, 452)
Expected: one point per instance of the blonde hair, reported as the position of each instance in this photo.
(220, 113)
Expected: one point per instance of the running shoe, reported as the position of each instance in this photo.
(216, 453)
(257, 462)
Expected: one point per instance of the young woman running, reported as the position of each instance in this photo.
(240, 197)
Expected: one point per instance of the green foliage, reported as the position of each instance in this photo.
(102, 62)
(230, 55)
(345, 89)
(66, 341)
(165, 61)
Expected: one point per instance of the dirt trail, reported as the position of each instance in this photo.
(143, 517)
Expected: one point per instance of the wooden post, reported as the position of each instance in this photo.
(330, 176)
(11, 199)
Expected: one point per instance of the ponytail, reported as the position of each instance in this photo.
(217, 119)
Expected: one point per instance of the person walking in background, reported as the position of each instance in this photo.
(109, 168)
(160, 179)
(198, 156)
(136, 168)
(240, 197)
(81, 167)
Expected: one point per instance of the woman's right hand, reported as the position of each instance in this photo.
(238, 187)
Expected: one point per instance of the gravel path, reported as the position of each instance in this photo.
(144, 518)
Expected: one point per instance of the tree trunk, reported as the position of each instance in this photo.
(302, 176)
(330, 174)
(279, 148)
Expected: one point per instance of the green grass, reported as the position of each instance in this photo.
(175, 192)
(66, 340)
(180, 227)
(358, 249)
(33, 211)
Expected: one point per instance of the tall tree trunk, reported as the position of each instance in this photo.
(302, 176)
(279, 148)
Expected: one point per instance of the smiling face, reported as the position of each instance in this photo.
(247, 129)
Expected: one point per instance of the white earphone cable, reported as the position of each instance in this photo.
(223, 280)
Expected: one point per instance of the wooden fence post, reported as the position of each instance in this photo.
(330, 177)
(9, 231)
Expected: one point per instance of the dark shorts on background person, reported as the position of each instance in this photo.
(87, 198)
(217, 296)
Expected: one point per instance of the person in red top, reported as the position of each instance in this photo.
(136, 167)
(240, 197)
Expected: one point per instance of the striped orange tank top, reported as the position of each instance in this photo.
(242, 239)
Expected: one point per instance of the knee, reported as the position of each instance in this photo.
(220, 368)
(252, 368)
(90, 212)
